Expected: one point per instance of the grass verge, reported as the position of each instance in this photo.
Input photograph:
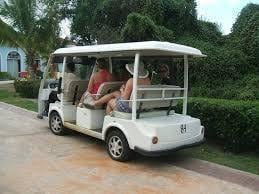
(248, 162)
(13, 98)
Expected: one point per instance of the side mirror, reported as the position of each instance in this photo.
(59, 85)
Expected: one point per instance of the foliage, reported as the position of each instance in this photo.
(27, 88)
(165, 34)
(93, 20)
(32, 25)
(11, 97)
(229, 58)
(5, 76)
(83, 24)
(248, 162)
(221, 65)
(209, 32)
(132, 31)
(243, 89)
(245, 33)
(234, 123)
(246, 13)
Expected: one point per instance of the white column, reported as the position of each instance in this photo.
(185, 84)
(62, 84)
(110, 65)
(45, 74)
(134, 89)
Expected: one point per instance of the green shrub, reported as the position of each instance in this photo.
(5, 76)
(235, 123)
(246, 88)
(27, 88)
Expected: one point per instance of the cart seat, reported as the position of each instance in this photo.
(156, 94)
(108, 87)
(152, 104)
(70, 91)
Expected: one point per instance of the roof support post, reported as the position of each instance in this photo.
(40, 102)
(134, 89)
(62, 83)
(110, 65)
(185, 84)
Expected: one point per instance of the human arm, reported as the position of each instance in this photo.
(90, 84)
(110, 77)
(126, 92)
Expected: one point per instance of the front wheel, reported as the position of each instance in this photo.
(118, 147)
(55, 124)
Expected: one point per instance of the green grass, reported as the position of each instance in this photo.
(13, 98)
(248, 162)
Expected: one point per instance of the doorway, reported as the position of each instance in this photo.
(13, 63)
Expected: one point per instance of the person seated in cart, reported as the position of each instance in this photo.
(116, 100)
(163, 71)
(69, 75)
(96, 79)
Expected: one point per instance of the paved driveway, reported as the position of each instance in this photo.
(33, 160)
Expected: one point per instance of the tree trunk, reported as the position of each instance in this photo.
(30, 59)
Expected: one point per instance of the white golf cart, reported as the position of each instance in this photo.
(153, 128)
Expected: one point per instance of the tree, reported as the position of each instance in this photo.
(139, 28)
(250, 40)
(246, 13)
(180, 16)
(83, 21)
(245, 33)
(32, 25)
(105, 20)
(209, 32)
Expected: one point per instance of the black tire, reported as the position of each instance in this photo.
(116, 153)
(56, 124)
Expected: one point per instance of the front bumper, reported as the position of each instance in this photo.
(167, 152)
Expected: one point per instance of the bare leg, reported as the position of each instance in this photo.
(105, 99)
(85, 96)
(82, 98)
(110, 105)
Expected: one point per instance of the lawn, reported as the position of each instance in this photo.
(10, 97)
(248, 162)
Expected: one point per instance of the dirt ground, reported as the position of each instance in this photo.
(33, 160)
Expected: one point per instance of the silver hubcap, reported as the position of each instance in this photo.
(56, 124)
(115, 146)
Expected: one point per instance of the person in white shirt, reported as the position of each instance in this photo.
(69, 75)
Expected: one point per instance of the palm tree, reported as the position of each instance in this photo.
(32, 25)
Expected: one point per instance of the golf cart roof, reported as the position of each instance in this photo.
(148, 48)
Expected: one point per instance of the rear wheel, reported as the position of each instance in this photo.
(118, 147)
(55, 124)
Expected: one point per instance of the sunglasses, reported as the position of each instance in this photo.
(162, 71)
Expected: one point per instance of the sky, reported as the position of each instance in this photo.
(222, 12)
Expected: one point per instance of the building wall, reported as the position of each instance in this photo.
(4, 51)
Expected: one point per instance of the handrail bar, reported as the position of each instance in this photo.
(154, 99)
(160, 89)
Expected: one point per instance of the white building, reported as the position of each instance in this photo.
(12, 60)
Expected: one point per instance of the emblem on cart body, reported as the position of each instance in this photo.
(183, 128)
